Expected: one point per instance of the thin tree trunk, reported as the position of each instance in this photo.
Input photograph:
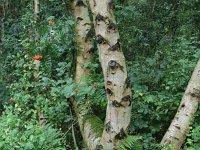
(179, 127)
(36, 13)
(90, 125)
(41, 117)
(73, 133)
(84, 38)
(117, 84)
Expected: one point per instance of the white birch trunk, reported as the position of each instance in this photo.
(179, 127)
(87, 121)
(84, 38)
(117, 84)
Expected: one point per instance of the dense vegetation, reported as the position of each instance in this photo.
(161, 43)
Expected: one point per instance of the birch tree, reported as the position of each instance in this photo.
(179, 127)
(117, 84)
(112, 61)
(89, 124)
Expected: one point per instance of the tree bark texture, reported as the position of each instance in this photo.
(179, 127)
(41, 118)
(36, 13)
(117, 84)
(84, 38)
(36, 8)
(90, 125)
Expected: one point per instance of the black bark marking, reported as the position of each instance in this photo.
(177, 118)
(87, 24)
(195, 93)
(108, 127)
(116, 104)
(121, 135)
(99, 147)
(88, 35)
(111, 26)
(127, 83)
(167, 141)
(110, 6)
(109, 83)
(91, 50)
(95, 3)
(176, 138)
(99, 18)
(183, 105)
(80, 3)
(113, 66)
(178, 127)
(109, 92)
(198, 73)
(127, 99)
(114, 47)
(79, 19)
(101, 40)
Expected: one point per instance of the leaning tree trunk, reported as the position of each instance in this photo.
(90, 125)
(117, 84)
(179, 127)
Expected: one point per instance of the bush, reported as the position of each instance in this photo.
(16, 133)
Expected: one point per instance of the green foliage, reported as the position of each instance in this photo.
(29, 91)
(132, 143)
(17, 134)
(160, 40)
(158, 86)
(169, 147)
(97, 124)
(193, 139)
(162, 48)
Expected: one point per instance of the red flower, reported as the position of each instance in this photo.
(11, 100)
(37, 57)
(76, 90)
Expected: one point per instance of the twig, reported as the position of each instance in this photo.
(73, 134)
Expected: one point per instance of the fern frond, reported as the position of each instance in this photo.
(132, 143)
